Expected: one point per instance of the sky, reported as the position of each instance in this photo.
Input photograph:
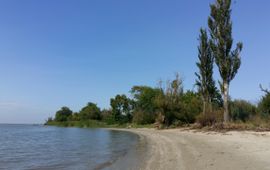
(56, 53)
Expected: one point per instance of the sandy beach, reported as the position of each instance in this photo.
(178, 149)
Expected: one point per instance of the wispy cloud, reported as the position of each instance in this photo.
(8, 104)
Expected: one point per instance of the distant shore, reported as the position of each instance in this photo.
(190, 150)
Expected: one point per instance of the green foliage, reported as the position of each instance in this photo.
(220, 25)
(75, 117)
(264, 105)
(192, 107)
(63, 114)
(108, 117)
(105, 113)
(142, 117)
(242, 110)
(90, 111)
(145, 106)
(217, 101)
(169, 101)
(81, 124)
(205, 82)
(122, 108)
(227, 60)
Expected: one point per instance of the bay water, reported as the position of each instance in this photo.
(29, 147)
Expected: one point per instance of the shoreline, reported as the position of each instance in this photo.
(190, 149)
(134, 158)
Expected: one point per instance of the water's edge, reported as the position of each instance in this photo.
(134, 159)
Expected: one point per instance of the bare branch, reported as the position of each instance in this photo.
(264, 90)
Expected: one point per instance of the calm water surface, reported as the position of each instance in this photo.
(45, 147)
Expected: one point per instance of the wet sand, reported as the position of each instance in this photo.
(178, 149)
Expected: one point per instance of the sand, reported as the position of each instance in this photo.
(178, 149)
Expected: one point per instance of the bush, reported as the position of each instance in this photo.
(177, 123)
(110, 120)
(259, 121)
(105, 114)
(141, 117)
(210, 119)
(108, 117)
(264, 106)
(63, 114)
(122, 108)
(242, 110)
(191, 107)
(75, 117)
(145, 106)
(91, 111)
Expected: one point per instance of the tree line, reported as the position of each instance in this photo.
(169, 104)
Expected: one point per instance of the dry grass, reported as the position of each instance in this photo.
(213, 122)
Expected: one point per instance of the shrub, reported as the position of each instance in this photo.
(105, 114)
(91, 111)
(141, 117)
(108, 118)
(75, 117)
(210, 119)
(177, 123)
(145, 106)
(63, 114)
(259, 121)
(191, 107)
(242, 110)
(264, 105)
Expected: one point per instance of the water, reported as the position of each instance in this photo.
(44, 147)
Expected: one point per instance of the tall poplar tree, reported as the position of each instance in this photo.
(205, 82)
(227, 60)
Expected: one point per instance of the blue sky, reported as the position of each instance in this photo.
(69, 52)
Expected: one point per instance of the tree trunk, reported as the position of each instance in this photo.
(226, 107)
(210, 106)
(204, 107)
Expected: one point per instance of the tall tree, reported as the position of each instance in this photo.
(227, 60)
(145, 107)
(122, 108)
(90, 111)
(63, 114)
(205, 82)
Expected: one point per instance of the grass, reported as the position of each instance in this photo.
(258, 125)
(96, 124)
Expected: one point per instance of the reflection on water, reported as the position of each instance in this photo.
(44, 147)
